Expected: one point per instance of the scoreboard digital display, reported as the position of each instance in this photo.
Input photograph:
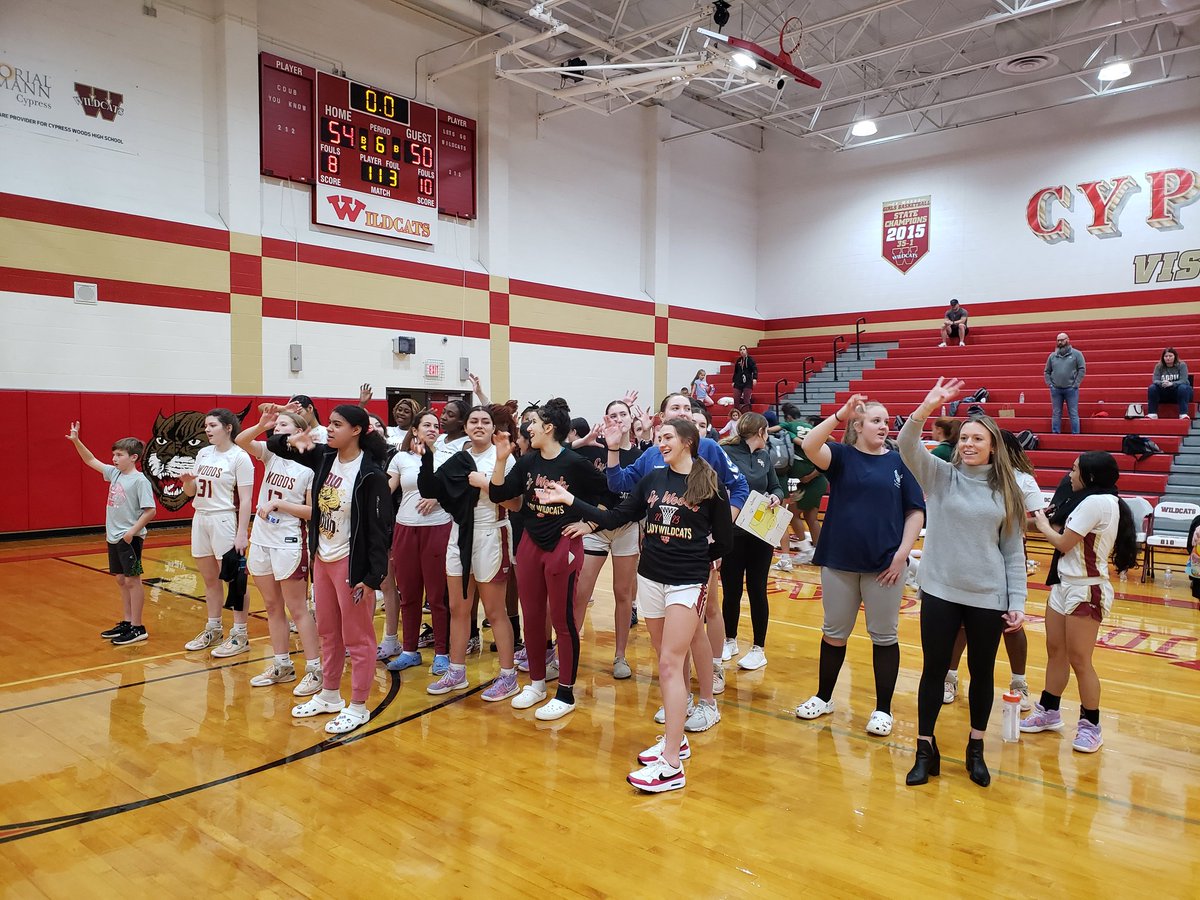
(380, 163)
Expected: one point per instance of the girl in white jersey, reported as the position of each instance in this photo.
(220, 524)
(479, 549)
(1093, 526)
(278, 557)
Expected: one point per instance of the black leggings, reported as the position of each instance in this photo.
(940, 621)
(750, 562)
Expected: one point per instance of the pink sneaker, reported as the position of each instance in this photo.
(455, 679)
(1042, 719)
(1088, 738)
(502, 688)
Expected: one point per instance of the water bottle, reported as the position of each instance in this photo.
(1021, 399)
(1167, 577)
(272, 518)
(1010, 729)
(943, 409)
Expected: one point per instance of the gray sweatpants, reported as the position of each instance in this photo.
(843, 592)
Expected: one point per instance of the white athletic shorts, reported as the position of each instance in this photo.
(1075, 599)
(213, 534)
(623, 541)
(278, 562)
(653, 597)
(491, 553)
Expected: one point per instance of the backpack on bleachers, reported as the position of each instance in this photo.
(782, 451)
(1141, 447)
(1028, 440)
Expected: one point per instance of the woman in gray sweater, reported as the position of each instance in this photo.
(1171, 384)
(972, 569)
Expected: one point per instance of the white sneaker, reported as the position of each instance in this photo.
(718, 680)
(754, 659)
(657, 778)
(1022, 688)
(880, 723)
(814, 707)
(942, 344)
(529, 696)
(1151, 415)
(555, 709)
(310, 683)
(703, 717)
(238, 643)
(784, 564)
(274, 674)
(803, 557)
(950, 690)
(729, 649)
(650, 754)
(205, 639)
(552, 671)
(317, 707)
(1184, 416)
(661, 716)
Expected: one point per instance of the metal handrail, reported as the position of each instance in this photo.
(842, 338)
(861, 320)
(804, 375)
(777, 384)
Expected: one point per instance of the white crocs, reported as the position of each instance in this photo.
(555, 709)
(529, 696)
(347, 720)
(317, 707)
(880, 723)
(813, 708)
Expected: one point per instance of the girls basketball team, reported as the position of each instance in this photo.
(458, 508)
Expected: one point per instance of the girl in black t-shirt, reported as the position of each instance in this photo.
(684, 505)
(551, 553)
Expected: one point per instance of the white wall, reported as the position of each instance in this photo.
(587, 379)
(820, 250)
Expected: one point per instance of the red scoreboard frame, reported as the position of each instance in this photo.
(367, 140)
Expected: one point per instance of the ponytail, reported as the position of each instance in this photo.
(701, 483)
(1125, 547)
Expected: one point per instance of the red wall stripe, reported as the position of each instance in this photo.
(53, 284)
(245, 274)
(498, 308)
(579, 341)
(273, 248)
(708, 317)
(70, 215)
(278, 308)
(579, 298)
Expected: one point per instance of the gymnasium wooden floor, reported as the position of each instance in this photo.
(146, 769)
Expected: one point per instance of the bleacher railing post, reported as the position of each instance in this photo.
(861, 320)
(804, 375)
(842, 338)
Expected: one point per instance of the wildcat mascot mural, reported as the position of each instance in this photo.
(171, 451)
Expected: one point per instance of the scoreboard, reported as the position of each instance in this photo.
(379, 162)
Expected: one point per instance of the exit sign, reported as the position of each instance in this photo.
(435, 368)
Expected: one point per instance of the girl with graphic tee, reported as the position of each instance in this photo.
(419, 548)
(688, 529)
(479, 547)
(1092, 528)
(278, 559)
(220, 524)
(873, 518)
(349, 537)
(702, 390)
(551, 554)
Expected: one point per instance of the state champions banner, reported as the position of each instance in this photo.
(905, 232)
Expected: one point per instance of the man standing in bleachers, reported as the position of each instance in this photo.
(1065, 369)
(954, 324)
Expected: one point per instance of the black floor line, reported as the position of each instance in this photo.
(45, 826)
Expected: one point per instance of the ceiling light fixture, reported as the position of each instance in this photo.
(759, 53)
(864, 127)
(1114, 69)
(744, 59)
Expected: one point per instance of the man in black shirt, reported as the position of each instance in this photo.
(954, 325)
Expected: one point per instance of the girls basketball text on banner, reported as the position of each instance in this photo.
(905, 232)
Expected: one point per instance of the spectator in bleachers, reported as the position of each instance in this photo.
(745, 377)
(945, 432)
(954, 325)
(1170, 384)
(702, 390)
(1065, 368)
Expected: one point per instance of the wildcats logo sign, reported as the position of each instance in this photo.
(905, 232)
(384, 216)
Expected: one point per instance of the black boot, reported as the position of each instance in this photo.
(929, 762)
(976, 767)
